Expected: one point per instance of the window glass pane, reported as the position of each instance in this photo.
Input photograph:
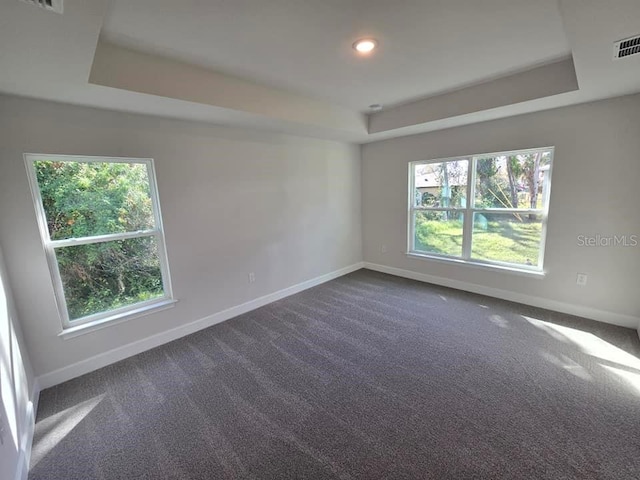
(99, 277)
(85, 199)
(512, 181)
(439, 232)
(441, 184)
(504, 237)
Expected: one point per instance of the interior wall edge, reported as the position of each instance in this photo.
(29, 422)
(50, 379)
(603, 316)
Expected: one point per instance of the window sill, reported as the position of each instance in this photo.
(75, 331)
(481, 265)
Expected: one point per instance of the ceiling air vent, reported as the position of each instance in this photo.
(626, 48)
(50, 5)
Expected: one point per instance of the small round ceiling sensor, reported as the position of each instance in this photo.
(365, 45)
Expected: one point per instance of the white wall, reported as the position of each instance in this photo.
(233, 201)
(596, 178)
(16, 388)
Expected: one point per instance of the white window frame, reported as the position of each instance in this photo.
(469, 210)
(49, 245)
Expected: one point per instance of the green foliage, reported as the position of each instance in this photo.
(458, 196)
(88, 199)
(490, 187)
(427, 198)
(510, 181)
(511, 239)
(501, 181)
(99, 198)
(434, 234)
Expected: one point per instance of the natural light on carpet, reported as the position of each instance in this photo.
(614, 360)
(58, 426)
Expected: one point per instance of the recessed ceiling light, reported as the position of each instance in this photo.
(376, 107)
(365, 45)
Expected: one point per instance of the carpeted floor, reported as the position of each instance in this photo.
(365, 377)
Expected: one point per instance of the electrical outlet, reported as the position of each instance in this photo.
(252, 277)
(581, 279)
(383, 249)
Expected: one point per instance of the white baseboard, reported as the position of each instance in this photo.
(562, 307)
(29, 423)
(107, 358)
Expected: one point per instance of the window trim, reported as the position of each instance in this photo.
(49, 246)
(469, 211)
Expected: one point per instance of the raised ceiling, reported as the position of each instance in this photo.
(426, 47)
(288, 65)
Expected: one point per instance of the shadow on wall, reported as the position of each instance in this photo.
(16, 409)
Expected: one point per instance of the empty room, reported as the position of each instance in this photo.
(319, 239)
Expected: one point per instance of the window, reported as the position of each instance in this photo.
(489, 209)
(102, 232)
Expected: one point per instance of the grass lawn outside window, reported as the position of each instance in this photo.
(488, 209)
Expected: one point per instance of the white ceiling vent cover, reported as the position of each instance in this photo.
(50, 5)
(626, 48)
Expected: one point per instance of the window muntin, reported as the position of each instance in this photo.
(504, 223)
(102, 232)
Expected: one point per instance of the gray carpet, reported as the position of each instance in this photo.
(365, 377)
